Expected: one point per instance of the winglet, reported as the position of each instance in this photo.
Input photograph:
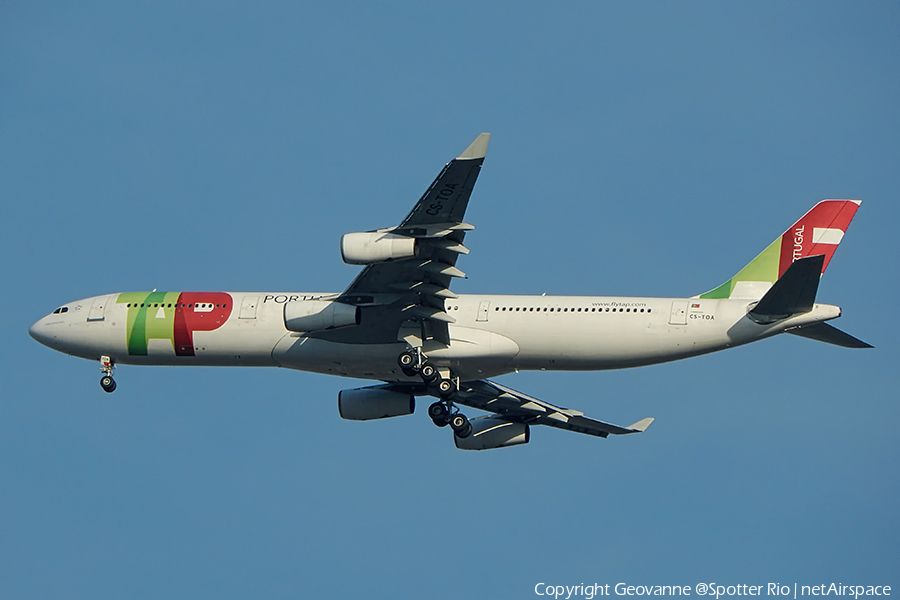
(478, 148)
(641, 425)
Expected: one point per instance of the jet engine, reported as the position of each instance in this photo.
(319, 315)
(365, 404)
(375, 247)
(493, 432)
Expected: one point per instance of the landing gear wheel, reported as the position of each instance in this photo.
(108, 384)
(409, 372)
(438, 410)
(428, 372)
(439, 413)
(107, 367)
(460, 425)
(408, 361)
(445, 388)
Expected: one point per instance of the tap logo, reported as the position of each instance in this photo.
(173, 316)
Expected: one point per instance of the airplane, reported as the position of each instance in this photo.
(398, 322)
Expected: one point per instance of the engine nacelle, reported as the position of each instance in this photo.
(493, 432)
(375, 247)
(365, 404)
(319, 315)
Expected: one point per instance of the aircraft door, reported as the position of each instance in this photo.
(678, 316)
(483, 309)
(248, 307)
(98, 308)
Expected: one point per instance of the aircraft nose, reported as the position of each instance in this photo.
(39, 332)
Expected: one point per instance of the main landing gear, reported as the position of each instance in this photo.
(414, 362)
(441, 415)
(443, 412)
(107, 382)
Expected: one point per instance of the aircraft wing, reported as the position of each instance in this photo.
(415, 288)
(518, 407)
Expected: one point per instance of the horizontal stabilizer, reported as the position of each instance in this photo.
(794, 292)
(823, 332)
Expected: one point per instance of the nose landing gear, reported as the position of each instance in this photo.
(107, 367)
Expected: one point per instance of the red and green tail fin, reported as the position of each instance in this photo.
(817, 232)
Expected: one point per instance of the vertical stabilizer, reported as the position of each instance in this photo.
(817, 232)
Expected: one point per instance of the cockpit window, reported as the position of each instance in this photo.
(60, 310)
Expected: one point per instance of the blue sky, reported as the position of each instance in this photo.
(638, 149)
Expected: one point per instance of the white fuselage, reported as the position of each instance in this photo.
(492, 334)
